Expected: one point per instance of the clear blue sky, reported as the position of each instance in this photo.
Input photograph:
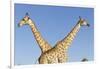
(54, 23)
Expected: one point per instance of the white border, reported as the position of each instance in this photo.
(46, 2)
(12, 35)
(76, 3)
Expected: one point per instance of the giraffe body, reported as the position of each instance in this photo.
(58, 54)
(54, 55)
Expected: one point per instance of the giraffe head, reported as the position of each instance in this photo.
(25, 20)
(83, 22)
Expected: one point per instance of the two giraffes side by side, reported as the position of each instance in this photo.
(56, 54)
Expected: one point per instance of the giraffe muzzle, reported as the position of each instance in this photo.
(88, 25)
(19, 25)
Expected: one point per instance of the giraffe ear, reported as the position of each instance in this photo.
(27, 14)
(80, 17)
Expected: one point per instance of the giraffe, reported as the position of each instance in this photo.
(43, 44)
(58, 53)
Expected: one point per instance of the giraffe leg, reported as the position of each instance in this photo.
(43, 61)
(48, 61)
(62, 59)
(53, 61)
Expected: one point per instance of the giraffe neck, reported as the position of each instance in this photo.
(44, 46)
(66, 42)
